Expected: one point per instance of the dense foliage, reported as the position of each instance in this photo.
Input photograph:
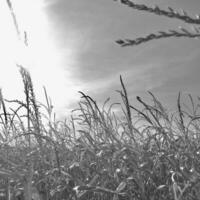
(135, 154)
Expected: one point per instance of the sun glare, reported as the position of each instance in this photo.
(41, 57)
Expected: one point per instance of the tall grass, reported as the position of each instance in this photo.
(153, 155)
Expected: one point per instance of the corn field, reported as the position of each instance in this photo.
(145, 153)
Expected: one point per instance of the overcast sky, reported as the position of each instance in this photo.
(80, 52)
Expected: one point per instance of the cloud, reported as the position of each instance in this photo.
(90, 29)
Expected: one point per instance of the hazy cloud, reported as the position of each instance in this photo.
(91, 27)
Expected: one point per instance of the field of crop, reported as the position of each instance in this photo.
(142, 154)
(145, 153)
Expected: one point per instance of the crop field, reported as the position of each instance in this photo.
(115, 151)
(96, 154)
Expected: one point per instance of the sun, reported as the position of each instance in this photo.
(42, 57)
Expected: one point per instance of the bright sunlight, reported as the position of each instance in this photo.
(41, 57)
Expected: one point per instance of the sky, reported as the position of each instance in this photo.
(72, 48)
